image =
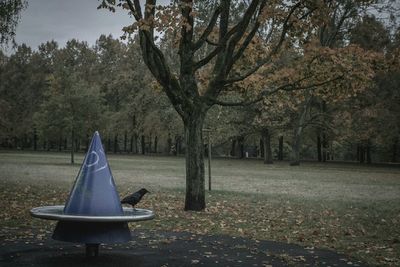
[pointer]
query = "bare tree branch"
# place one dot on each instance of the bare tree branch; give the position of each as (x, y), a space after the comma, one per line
(249, 37)
(154, 58)
(208, 29)
(286, 26)
(274, 51)
(248, 73)
(286, 87)
(237, 33)
(208, 58)
(137, 13)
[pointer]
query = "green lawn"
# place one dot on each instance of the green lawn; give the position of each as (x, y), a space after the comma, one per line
(346, 207)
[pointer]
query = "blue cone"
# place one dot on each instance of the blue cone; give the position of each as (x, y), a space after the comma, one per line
(94, 192)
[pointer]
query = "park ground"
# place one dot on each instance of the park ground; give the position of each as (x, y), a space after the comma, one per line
(344, 207)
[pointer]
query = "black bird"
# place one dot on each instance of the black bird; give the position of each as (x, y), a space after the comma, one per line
(135, 197)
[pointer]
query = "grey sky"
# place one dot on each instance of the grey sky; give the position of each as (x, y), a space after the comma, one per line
(62, 20)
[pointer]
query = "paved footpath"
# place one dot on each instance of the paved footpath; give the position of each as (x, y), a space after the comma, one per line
(154, 248)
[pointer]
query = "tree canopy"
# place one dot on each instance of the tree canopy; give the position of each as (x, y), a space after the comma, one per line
(9, 16)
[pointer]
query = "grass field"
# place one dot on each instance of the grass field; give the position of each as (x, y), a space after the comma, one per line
(350, 208)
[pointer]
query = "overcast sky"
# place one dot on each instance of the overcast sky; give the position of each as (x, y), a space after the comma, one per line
(62, 20)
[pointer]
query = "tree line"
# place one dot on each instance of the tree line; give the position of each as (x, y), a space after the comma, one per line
(54, 98)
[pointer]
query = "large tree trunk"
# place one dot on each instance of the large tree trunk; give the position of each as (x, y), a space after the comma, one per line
(24, 142)
(267, 146)
(169, 144)
(295, 153)
(136, 136)
(34, 139)
(195, 191)
(178, 145)
(324, 148)
(150, 145)
(60, 140)
(280, 153)
(87, 143)
(368, 152)
(78, 145)
(131, 145)
(116, 143)
(125, 141)
(362, 154)
(233, 147)
(108, 144)
(319, 152)
(175, 150)
(72, 145)
(262, 148)
(394, 150)
(241, 146)
(155, 144)
(143, 144)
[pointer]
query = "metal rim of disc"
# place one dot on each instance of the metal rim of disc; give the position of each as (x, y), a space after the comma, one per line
(56, 213)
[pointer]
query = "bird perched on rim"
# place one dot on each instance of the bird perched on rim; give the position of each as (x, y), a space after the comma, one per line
(135, 197)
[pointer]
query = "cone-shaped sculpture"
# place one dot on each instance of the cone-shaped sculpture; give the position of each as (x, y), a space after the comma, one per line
(94, 191)
(93, 194)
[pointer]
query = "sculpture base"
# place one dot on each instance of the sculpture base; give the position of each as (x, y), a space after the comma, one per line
(92, 232)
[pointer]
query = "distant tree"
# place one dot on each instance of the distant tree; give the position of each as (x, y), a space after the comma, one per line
(10, 11)
(21, 92)
(370, 34)
(72, 105)
(370, 119)
(332, 35)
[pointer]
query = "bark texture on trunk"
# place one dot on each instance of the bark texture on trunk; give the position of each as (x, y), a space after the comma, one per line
(195, 183)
